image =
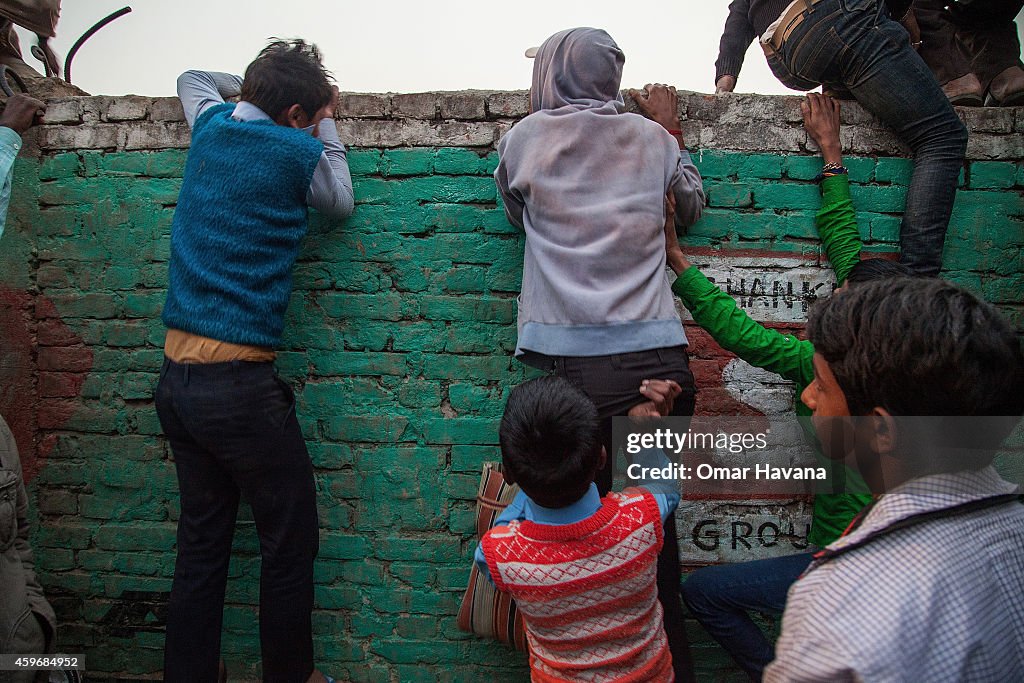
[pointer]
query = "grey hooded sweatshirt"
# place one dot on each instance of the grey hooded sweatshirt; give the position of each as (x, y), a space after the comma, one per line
(587, 182)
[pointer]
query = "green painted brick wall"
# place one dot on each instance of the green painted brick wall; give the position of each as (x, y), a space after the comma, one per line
(399, 341)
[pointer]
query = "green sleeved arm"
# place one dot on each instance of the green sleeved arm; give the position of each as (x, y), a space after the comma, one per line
(837, 225)
(735, 331)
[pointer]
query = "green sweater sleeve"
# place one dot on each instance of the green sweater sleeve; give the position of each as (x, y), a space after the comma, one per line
(735, 331)
(837, 226)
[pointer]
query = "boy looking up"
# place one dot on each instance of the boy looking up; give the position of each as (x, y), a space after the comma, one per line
(581, 568)
(252, 171)
(926, 583)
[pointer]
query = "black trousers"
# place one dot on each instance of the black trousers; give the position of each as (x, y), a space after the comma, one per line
(234, 434)
(613, 383)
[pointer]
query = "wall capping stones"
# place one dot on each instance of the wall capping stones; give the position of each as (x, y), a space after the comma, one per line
(478, 118)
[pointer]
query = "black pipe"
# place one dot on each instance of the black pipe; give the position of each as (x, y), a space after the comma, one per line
(6, 71)
(87, 35)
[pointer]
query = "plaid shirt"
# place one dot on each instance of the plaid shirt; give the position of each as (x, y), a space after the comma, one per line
(941, 600)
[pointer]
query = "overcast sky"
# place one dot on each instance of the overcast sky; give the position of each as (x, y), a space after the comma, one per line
(393, 45)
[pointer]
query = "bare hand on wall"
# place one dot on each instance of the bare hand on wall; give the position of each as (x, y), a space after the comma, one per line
(726, 83)
(660, 103)
(21, 112)
(821, 121)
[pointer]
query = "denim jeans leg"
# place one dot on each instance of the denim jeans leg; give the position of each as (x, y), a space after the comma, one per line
(209, 507)
(284, 508)
(243, 416)
(721, 597)
(896, 85)
(855, 43)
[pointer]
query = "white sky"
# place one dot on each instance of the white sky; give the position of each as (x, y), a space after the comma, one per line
(393, 45)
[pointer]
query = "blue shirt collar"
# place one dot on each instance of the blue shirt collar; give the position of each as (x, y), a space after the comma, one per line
(577, 512)
(247, 111)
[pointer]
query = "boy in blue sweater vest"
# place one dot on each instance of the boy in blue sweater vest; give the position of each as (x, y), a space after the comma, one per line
(252, 171)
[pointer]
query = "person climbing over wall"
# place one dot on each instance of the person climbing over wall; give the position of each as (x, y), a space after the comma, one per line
(586, 181)
(28, 625)
(251, 172)
(854, 46)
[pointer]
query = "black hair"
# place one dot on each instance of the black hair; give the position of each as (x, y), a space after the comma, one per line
(876, 269)
(287, 72)
(921, 347)
(549, 440)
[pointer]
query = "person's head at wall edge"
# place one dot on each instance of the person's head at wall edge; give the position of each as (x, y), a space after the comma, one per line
(288, 81)
(577, 66)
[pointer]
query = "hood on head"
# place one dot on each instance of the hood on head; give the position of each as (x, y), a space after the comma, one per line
(579, 66)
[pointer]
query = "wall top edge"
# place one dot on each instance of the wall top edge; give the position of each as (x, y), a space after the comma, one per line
(478, 119)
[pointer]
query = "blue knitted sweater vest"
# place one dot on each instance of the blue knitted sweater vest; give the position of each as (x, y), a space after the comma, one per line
(240, 217)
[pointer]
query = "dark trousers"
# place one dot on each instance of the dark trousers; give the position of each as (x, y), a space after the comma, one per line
(855, 44)
(723, 596)
(234, 434)
(985, 47)
(613, 383)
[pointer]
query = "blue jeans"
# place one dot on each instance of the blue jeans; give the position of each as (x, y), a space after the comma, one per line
(234, 434)
(722, 596)
(854, 44)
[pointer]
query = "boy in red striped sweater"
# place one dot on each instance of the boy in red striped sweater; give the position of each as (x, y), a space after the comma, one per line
(581, 568)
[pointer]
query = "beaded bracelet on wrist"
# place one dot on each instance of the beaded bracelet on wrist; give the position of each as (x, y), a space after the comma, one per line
(831, 169)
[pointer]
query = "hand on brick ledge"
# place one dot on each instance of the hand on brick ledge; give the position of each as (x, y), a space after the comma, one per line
(821, 121)
(660, 103)
(21, 113)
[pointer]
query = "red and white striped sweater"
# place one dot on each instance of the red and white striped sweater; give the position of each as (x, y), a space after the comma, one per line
(587, 591)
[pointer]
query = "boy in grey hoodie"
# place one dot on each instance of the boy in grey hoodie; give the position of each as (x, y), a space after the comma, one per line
(587, 183)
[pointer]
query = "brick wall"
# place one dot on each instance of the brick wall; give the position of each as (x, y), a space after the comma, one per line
(398, 342)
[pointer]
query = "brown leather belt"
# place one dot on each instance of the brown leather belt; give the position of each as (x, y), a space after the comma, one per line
(790, 20)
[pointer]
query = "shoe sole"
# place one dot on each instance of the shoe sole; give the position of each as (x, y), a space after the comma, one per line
(1014, 100)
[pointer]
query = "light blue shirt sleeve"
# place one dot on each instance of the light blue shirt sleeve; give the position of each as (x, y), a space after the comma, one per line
(665, 491)
(200, 90)
(515, 510)
(330, 190)
(10, 143)
(688, 188)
